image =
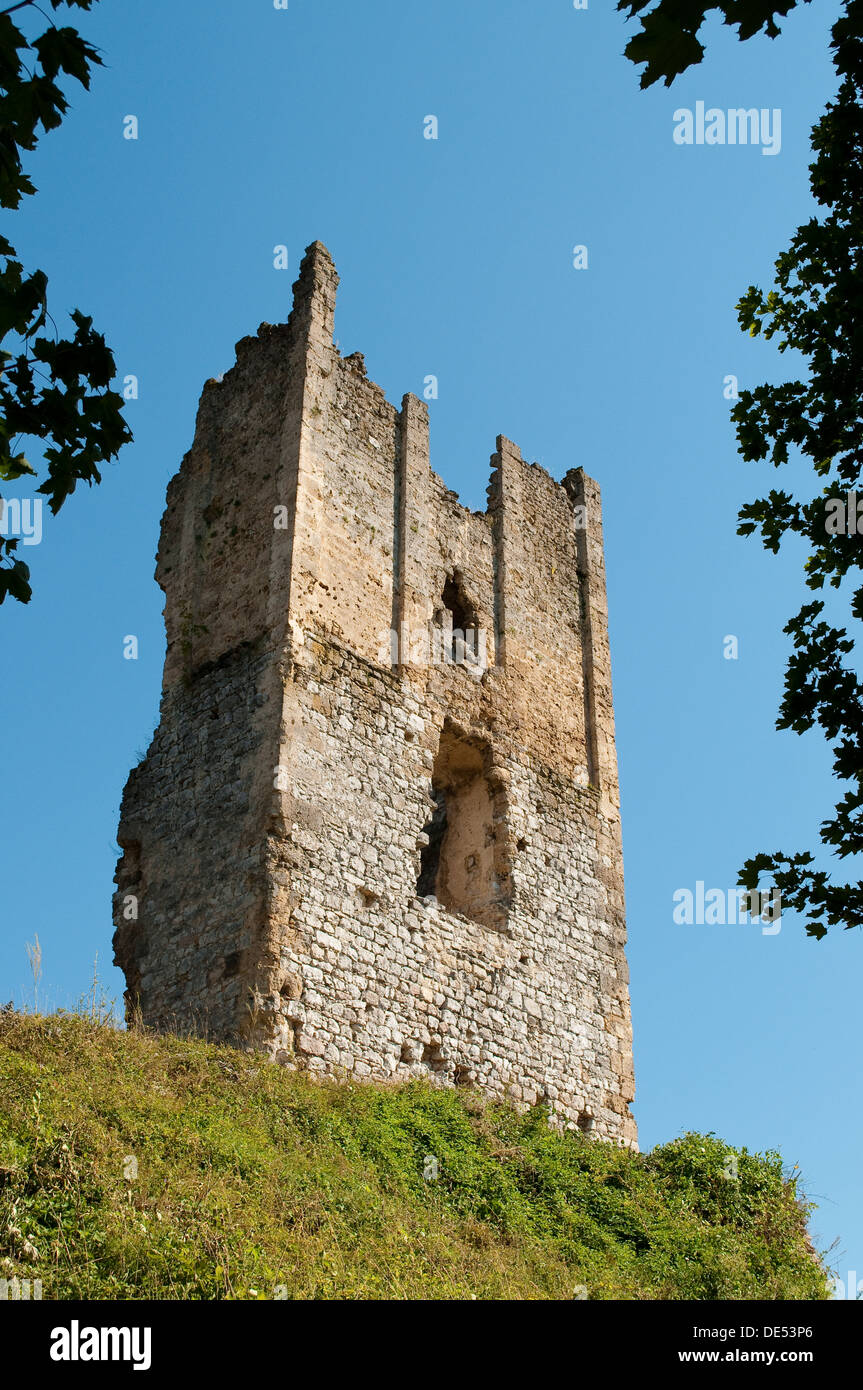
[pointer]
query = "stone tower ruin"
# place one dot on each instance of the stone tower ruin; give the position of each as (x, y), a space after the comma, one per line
(377, 831)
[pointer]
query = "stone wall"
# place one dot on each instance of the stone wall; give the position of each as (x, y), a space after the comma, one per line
(341, 848)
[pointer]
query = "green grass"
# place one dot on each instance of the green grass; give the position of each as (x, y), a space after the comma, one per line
(140, 1167)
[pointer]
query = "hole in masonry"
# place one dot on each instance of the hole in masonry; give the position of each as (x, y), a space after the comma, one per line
(456, 601)
(458, 856)
(433, 1058)
(457, 617)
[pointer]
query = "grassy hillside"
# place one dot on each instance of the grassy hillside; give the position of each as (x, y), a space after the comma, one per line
(141, 1167)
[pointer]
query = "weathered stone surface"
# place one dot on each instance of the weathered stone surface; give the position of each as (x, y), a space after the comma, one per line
(338, 849)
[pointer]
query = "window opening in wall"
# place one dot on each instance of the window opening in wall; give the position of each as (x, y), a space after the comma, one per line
(455, 599)
(462, 640)
(461, 863)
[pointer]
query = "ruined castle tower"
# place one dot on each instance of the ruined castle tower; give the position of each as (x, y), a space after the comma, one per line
(377, 831)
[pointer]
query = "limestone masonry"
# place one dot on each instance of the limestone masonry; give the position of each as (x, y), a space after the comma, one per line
(377, 831)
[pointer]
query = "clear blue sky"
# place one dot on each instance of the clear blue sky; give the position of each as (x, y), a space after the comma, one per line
(258, 127)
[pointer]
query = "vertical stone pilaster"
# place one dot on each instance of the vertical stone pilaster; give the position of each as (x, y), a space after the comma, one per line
(584, 493)
(585, 496)
(412, 525)
(312, 324)
(505, 505)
